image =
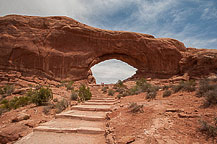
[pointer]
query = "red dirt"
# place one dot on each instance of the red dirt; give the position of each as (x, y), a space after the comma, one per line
(156, 125)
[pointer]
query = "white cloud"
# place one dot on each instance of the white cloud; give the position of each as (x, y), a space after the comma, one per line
(209, 13)
(111, 71)
(161, 18)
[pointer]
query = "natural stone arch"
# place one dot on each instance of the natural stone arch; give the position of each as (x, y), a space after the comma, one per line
(62, 48)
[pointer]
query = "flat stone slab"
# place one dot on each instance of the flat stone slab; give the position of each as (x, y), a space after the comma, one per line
(98, 103)
(102, 98)
(98, 100)
(61, 138)
(81, 130)
(104, 108)
(73, 123)
(83, 115)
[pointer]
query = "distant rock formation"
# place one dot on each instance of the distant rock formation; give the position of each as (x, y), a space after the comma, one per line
(62, 48)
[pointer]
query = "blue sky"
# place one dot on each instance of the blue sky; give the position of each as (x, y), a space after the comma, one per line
(193, 22)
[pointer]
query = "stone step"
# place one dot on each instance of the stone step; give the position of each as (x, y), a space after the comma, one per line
(61, 125)
(39, 137)
(102, 98)
(102, 101)
(81, 130)
(83, 115)
(104, 108)
(98, 103)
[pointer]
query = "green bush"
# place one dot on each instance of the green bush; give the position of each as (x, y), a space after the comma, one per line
(111, 92)
(151, 95)
(120, 90)
(15, 103)
(135, 108)
(205, 86)
(167, 93)
(208, 129)
(141, 82)
(46, 110)
(69, 85)
(188, 86)
(84, 93)
(165, 87)
(104, 89)
(210, 98)
(119, 96)
(208, 91)
(41, 96)
(61, 105)
(6, 90)
(74, 95)
(119, 84)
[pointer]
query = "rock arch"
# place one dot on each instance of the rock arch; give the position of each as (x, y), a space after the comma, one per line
(62, 48)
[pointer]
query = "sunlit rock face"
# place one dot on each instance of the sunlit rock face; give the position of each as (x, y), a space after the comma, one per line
(110, 71)
(62, 48)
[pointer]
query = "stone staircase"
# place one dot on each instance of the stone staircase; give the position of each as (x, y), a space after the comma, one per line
(83, 124)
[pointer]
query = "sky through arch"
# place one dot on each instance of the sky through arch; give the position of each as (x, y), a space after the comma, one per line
(110, 71)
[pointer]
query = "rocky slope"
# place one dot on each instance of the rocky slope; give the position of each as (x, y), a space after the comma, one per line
(62, 48)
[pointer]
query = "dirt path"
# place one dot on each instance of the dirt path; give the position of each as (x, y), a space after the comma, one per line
(83, 124)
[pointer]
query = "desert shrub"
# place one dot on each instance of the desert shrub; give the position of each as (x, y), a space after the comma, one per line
(15, 103)
(141, 82)
(177, 88)
(208, 129)
(165, 87)
(205, 86)
(167, 93)
(135, 90)
(69, 85)
(208, 91)
(84, 93)
(188, 86)
(111, 92)
(119, 96)
(74, 95)
(46, 110)
(40, 96)
(151, 95)
(55, 100)
(120, 90)
(119, 84)
(104, 89)
(61, 105)
(6, 90)
(210, 98)
(135, 108)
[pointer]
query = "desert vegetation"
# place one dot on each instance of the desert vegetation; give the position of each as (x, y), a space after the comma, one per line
(82, 94)
(209, 129)
(38, 96)
(135, 108)
(188, 86)
(208, 90)
(6, 90)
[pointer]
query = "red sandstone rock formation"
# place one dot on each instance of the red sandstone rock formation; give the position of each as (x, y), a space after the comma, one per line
(62, 48)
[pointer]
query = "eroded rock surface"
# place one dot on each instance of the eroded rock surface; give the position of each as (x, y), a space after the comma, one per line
(62, 48)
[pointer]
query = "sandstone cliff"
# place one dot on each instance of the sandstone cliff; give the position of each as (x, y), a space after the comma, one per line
(62, 48)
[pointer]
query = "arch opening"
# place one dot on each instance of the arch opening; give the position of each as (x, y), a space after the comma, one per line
(112, 70)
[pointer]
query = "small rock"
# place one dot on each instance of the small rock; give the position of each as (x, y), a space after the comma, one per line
(126, 140)
(174, 110)
(182, 115)
(148, 79)
(20, 117)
